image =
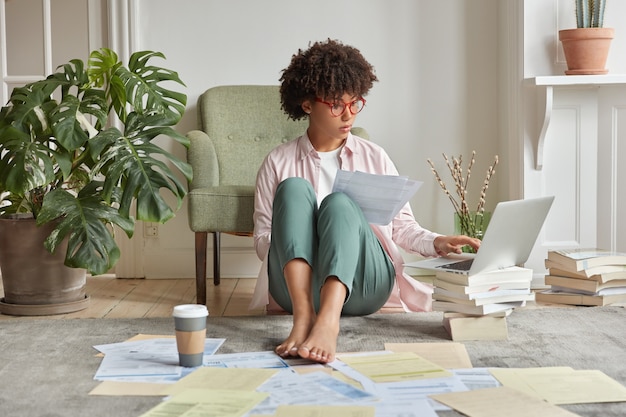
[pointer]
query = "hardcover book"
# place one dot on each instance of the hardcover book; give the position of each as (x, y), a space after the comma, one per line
(447, 306)
(582, 259)
(582, 284)
(599, 273)
(555, 297)
(510, 274)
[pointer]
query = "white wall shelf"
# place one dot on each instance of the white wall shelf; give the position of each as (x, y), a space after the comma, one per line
(579, 80)
(545, 86)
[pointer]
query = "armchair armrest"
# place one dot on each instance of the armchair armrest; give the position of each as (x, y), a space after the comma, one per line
(203, 159)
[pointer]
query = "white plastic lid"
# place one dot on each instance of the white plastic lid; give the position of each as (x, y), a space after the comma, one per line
(190, 311)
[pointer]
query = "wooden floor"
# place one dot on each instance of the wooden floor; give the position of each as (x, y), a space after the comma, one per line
(111, 297)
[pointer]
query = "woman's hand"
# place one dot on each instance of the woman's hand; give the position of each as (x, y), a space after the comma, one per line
(454, 244)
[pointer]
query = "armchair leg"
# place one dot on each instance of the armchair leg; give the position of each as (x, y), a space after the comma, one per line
(216, 258)
(201, 246)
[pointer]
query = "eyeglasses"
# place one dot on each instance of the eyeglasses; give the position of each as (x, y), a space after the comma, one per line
(338, 107)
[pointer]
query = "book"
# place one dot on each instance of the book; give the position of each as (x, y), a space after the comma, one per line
(605, 291)
(507, 298)
(599, 273)
(555, 297)
(483, 294)
(462, 327)
(510, 274)
(588, 285)
(481, 310)
(470, 289)
(582, 259)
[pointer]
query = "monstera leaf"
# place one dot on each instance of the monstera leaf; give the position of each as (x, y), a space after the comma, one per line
(85, 220)
(130, 167)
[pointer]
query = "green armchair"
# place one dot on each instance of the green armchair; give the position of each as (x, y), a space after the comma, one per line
(238, 126)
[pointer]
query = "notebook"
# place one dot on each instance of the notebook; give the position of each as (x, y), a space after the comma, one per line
(508, 241)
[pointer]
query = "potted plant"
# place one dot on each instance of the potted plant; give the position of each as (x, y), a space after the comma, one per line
(78, 161)
(472, 223)
(586, 47)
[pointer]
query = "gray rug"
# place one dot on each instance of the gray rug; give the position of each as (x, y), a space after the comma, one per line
(47, 366)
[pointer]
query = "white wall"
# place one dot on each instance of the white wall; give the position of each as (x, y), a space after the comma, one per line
(436, 61)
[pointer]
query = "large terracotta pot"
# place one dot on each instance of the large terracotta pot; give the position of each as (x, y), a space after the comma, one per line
(35, 281)
(586, 49)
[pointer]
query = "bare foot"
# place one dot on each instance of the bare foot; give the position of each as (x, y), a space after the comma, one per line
(298, 334)
(321, 344)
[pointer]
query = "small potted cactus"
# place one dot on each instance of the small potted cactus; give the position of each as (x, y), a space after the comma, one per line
(586, 47)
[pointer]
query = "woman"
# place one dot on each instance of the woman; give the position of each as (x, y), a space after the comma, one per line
(321, 257)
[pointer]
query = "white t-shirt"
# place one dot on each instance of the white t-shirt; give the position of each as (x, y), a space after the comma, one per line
(328, 172)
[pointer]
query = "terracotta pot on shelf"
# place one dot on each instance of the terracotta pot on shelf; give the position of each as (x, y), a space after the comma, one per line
(586, 49)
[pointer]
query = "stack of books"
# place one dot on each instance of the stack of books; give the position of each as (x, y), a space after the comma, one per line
(476, 306)
(586, 277)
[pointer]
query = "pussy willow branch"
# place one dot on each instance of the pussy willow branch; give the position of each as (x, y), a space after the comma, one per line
(455, 166)
(483, 191)
(442, 184)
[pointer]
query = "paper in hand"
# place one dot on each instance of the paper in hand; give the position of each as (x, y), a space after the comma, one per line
(380, 197)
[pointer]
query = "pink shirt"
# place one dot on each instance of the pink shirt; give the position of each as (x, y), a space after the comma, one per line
(298, 158)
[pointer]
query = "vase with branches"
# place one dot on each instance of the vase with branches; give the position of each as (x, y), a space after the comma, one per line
(471, 222)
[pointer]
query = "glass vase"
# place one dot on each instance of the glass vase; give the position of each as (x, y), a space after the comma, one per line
(474, 224)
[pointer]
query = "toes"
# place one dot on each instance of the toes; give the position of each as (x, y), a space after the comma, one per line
(315, 354)
(281, 351)
(304, 352)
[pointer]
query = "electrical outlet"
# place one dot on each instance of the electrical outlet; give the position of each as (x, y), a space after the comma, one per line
(150, 230)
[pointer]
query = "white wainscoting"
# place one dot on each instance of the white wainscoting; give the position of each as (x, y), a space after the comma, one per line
(572, 151)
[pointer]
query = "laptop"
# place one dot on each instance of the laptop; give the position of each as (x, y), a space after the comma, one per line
(508, 240)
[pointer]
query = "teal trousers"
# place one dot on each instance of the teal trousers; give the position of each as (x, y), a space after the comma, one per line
(335, 240)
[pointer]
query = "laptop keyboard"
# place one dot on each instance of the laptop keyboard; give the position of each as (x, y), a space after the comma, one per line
(459, 265)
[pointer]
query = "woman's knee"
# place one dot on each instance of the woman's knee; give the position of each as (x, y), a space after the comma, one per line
(294, 196)
(339, 205)
(294, 185)
(338, 201)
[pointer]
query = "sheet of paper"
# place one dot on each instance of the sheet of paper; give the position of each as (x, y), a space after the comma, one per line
(287, 387)
(146, 360)
(131, 389)
(404, 408)
(207, 403)
(498, 402)
(324, 411)
(155, 345)
(266, 359)
(476, 378)
(380, 196)
(394, 367)
(246, 379)
(562, 385)
(420, 389)
(448, 355)
(143, 336)
(510, 377)
(338, 386)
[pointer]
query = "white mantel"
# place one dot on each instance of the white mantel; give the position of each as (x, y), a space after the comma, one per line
(573, 131)
(545, 98)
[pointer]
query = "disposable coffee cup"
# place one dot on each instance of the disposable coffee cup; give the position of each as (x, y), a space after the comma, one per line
(190, 325)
